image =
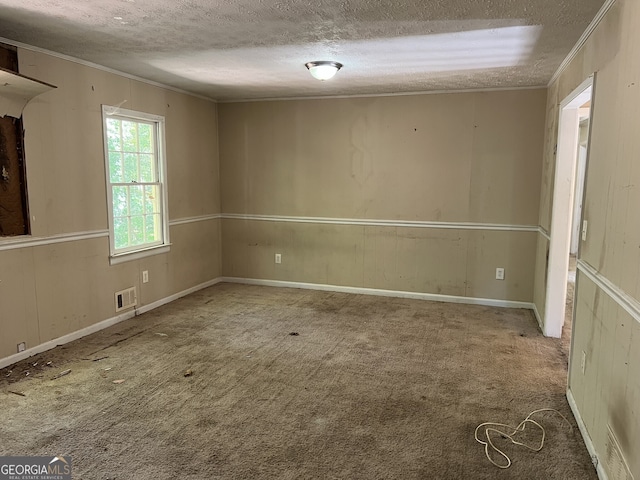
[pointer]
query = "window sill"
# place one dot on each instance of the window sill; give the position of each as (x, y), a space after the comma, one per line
(138, 254)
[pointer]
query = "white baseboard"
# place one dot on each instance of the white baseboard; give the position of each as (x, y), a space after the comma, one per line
(171, 298)
(4, 362)
(382, 293)
(602, 475)
(43, 347)
(538, 317)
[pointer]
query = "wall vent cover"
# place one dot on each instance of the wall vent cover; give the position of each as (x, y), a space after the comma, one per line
(126, 299)
(617, 467)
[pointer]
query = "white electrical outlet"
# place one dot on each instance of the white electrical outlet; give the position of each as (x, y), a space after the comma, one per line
(499, 273)
(22, 346)
(583, 361)
(278, 258)
(145, 276)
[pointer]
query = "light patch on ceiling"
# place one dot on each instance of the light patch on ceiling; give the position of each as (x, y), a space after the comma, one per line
(388, 57)
(248, 49)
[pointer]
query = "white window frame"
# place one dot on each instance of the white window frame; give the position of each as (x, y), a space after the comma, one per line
(138, 251)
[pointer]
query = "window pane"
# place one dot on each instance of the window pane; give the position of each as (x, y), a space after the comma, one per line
(113, 135)
(130, 136)
(151, 199)
(146, 168)
(137, 230)
(131, 167)
(121, 231)
(152, 227)
(115, 167)
(120, 201)
(145, 137)
(136, 199)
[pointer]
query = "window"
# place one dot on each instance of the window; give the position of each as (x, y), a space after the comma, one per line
(136, 189)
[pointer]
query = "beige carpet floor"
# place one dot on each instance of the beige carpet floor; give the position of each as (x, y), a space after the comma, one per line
(369, 388)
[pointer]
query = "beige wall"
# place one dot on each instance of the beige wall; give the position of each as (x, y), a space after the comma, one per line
(451, 158)
(609, 390)
(50, 290)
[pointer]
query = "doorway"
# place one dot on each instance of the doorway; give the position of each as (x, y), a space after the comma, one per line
(584, 118)
(566, 227)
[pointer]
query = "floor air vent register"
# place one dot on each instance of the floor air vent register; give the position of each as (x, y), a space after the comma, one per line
(126, 299)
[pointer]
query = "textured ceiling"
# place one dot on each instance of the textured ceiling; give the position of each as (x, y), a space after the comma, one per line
(241, 49)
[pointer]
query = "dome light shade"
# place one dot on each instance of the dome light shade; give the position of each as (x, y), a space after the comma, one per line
(323, 70)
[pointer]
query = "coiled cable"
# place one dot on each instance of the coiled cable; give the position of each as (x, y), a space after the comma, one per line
(510, 432)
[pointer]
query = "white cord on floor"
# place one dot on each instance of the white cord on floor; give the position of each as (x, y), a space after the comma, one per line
(490, 427)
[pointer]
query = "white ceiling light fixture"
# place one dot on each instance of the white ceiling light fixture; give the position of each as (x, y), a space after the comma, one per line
(323, 70)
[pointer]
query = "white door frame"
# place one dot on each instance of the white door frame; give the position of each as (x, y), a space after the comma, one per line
(562, 210)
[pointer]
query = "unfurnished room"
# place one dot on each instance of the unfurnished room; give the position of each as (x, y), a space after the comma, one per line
(323, 240)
